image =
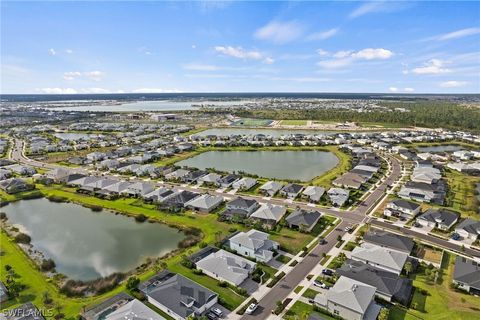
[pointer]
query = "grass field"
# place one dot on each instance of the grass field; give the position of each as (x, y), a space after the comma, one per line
(461, 195)
(293, 122)
(250, 122)
(441, 302)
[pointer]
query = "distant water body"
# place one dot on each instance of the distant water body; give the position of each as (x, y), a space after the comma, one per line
(126, 97)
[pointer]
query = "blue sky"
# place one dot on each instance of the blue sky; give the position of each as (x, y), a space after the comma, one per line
(209, 46)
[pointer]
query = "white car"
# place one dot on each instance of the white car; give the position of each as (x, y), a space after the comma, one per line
(217, 312)
(251, 308)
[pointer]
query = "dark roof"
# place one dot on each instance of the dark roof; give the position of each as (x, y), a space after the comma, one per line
(229, 178)
(181, 198)
(91, 312)
(242, 202)
(467, 271)
(303, 217)
(177, 293)
(444, 216)
(389, 240)
(292, 188)
(387, 283)
(406, 204)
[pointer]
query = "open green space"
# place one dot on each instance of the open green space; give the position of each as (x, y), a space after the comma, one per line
(441, 301)
(293, 122)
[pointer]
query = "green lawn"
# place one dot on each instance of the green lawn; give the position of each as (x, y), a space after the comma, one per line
(441, 302)
(293, 122)
(250, 122)
(310, 293)
(301, 311)
(38, 283)
(461, 196)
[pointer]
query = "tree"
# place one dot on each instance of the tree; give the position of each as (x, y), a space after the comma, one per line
(408, 267)
(384, 313)
(132, 283)
(339, 237)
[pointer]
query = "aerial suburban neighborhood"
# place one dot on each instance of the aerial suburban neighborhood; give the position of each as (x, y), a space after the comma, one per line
(239, 160)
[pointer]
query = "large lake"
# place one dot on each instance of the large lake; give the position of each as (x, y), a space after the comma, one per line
(291, 165)
(441, 148)
(87, 245)
(158, 105)
(268, 132)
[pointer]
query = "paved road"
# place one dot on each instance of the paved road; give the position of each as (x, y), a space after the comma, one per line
(428, 238)
(283, 288)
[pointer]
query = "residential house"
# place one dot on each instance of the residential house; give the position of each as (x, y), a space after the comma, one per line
(379, 257)
(442, 219)
(97, 312)
(291, 190)
(423, 192)
(240, 208)
(350, 180)
(210, 179)
(193, 176)
(139, 189)
(313, 193)
(269, 214)
(270, 188)
(389, 240)
(158, 195)
(15, 185)
(204, 203)
(244, 184)
(178, 296)
(225, 266)
(254, 244)
(177, 175)
(338, 196)
(303, 220)
(401, 208)
(177, 201)
(389, 286)
(228, 180)
(466, 275)
(349, 299)
(468, 229)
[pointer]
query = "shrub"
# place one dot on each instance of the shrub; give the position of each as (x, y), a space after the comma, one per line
(141, 218)
(23, 238)
(47, 265)
(132, 283)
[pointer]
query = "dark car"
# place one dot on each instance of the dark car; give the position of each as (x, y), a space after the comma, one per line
(322, 241)
(328, 272)
(211, 316)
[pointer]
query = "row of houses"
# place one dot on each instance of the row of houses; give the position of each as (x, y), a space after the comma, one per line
(373, 270)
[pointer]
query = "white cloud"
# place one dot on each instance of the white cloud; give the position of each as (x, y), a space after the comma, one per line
(408, 89)
(370, 54)
(194, 46)
(279, 32)
(145, 51)
(322, 53)
(393, 89)
(433, 66)
(366, 8)
(68, 51)
(238, 52)
(322, 35)
(57, 90)
(92, 75)
(52, 51)
(268, 60)
(458, 34)
(156, 90)
(347, 57)
(453, 84)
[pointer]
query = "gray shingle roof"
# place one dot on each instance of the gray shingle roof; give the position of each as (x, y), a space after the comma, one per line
(390, 240)
(467, 271)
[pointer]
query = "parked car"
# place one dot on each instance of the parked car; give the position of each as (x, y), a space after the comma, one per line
(328, 272)
(320, 284)
(322, 241)
(251, 308)
(455, 236)
(211, 316)
(217, 312)
(347, 228)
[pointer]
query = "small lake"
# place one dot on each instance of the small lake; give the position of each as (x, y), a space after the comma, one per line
(86, 245)
(291, 165)
(441, 148)
(268, 132)
(72, 136)
(157, 105)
